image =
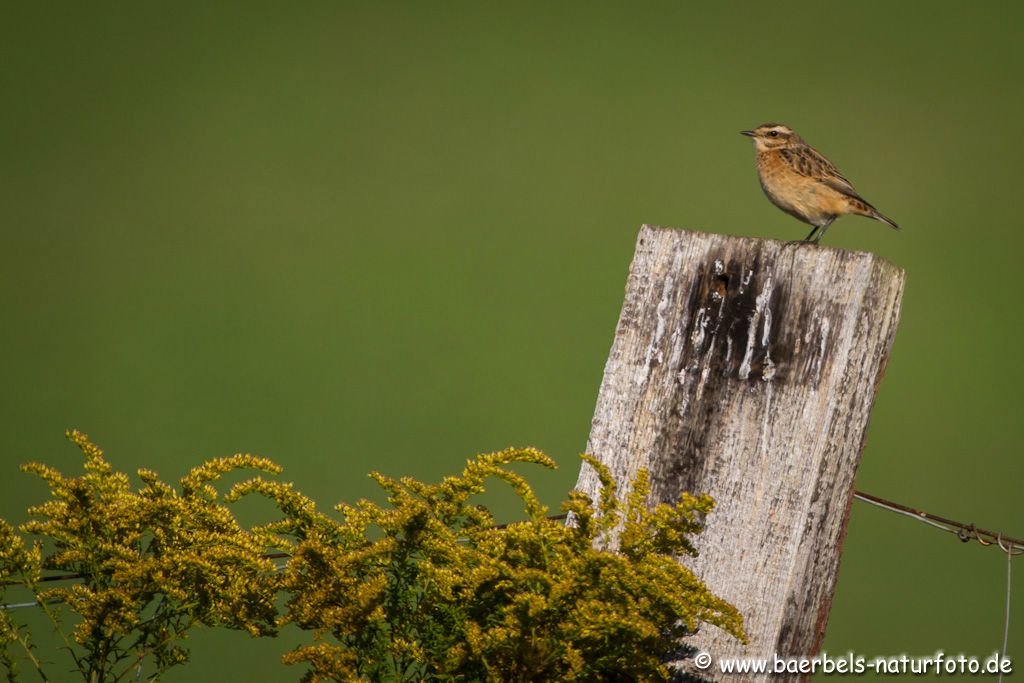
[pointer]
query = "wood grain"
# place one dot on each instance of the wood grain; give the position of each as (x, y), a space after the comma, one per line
(746, 369)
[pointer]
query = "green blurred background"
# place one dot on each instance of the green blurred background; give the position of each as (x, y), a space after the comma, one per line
(390, 236)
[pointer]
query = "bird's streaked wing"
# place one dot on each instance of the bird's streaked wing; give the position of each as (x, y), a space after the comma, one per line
(807, 161)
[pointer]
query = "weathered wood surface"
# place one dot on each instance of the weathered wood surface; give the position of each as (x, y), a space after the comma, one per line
(746, 369)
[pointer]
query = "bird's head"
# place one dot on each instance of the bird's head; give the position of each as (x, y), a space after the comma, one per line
(771, 136)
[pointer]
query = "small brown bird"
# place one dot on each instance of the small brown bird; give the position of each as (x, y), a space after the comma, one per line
(803, 183)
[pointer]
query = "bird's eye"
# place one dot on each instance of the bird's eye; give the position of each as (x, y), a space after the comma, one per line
(773, 133)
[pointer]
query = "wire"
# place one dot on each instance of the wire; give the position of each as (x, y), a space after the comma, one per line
(965, 532)
(23, 605)
(1006, 624)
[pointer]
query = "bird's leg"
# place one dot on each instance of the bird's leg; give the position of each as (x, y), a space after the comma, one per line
(823, 229)
(806, 240)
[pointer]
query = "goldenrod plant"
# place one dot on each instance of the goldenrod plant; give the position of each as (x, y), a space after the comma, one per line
(148, 566)
(422, 587)
(23, 563)
(428, 588)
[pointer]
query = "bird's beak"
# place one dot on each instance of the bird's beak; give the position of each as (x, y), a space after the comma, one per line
(748, 133)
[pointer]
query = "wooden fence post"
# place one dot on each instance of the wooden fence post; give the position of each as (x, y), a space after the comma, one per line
(746, 369)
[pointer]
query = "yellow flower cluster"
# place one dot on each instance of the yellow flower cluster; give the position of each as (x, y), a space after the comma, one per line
(151, 563)
(424, 587)
(427, 587)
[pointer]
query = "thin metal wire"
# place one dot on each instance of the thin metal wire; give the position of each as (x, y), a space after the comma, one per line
(966, 532)
(23, 605)
(898, 511)
(1006, 624)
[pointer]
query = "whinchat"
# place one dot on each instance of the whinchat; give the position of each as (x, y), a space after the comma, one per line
(803, 183)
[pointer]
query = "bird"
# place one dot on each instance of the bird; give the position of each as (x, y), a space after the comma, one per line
(802, 182)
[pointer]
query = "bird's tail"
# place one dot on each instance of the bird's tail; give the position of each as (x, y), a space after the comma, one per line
(885, 219)
(862, 207)
(871, 212)
(877, 215)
